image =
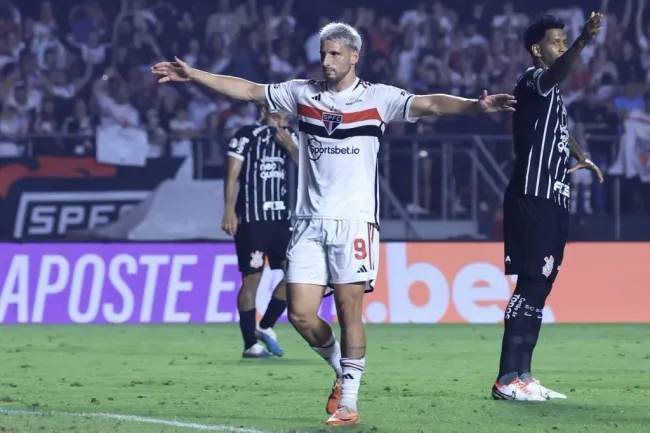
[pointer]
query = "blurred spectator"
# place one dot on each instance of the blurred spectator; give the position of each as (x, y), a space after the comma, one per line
(630, 99)
(219, 54)
(312, 45)
(156, 134)
(510, 22)
(26, 100)
(216, 153)
(240, 114)
(46, 122)
(283, 65)
(581, 180)
(12, 130)
(82, 127)
(183, 129)
(92, 51)
(113, 102)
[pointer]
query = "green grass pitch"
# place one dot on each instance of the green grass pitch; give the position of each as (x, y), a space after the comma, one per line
(419, 378)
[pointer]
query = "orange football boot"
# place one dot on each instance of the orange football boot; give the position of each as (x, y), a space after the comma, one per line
(335, 396)
(343, 416)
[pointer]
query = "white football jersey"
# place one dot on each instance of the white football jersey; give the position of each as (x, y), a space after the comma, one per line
(339, 136)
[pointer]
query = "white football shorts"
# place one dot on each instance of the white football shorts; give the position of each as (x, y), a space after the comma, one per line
(327, 252)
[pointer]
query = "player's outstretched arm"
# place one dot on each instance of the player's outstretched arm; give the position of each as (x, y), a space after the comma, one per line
(562, 67)
(442, 104)
(232, 87)
(583, 159)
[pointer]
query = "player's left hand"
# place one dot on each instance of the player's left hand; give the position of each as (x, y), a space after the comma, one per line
(589, 165)
(493, 103)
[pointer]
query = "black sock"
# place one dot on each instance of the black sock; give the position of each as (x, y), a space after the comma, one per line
(530, 341)
(247, 326)
(273, 312)
(511, 346)
(522, 322)
(536, 308)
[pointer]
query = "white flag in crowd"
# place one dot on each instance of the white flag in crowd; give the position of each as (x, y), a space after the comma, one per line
(634, 150)
(120, 145)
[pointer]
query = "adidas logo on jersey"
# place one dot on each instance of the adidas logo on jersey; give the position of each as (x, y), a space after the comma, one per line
(316, 98)
(362, 270)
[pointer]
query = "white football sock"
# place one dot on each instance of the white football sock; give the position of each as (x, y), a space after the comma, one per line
(352, 372)
(331, 352)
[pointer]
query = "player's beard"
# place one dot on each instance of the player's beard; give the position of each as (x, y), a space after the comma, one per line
(338, 77)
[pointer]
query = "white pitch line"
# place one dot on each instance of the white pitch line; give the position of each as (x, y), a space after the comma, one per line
(140, 419)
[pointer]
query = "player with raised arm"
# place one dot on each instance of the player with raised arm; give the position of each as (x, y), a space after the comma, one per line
(335, 243)
(536, 202)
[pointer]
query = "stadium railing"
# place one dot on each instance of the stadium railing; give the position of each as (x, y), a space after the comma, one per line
(436, 177)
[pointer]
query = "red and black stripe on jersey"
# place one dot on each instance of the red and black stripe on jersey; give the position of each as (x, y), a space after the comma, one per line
(341, 133)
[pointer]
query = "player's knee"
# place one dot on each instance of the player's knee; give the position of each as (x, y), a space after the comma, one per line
(297, 312)
(250, 282)
(280, 291)
(302, 316)
(303, 303)
(295, 317)
(532, 292)
(299, 319)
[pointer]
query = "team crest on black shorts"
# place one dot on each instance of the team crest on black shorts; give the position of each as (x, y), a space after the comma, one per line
(547, 270)
(257, 260)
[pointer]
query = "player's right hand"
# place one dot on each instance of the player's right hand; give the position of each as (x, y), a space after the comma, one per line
(178, 71)
(589, 165)
(592, 27)
(229, 223)
(283, 136)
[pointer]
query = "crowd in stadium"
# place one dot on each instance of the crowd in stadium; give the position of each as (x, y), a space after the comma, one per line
(69, 69)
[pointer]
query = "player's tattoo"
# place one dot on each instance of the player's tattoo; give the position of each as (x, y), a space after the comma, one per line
(576, 150)
(353, 351)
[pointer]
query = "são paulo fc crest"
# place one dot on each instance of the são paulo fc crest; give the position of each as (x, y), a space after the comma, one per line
(331, 121)
(547, 270)
(257, 260)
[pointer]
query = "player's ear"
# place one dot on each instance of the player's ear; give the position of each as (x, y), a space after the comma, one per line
(536, 50)
(354, 59)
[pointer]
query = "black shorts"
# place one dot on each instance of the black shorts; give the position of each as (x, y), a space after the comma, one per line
(535, 232)
(259, 240)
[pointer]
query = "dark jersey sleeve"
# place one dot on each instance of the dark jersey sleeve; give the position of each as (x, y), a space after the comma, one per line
(239, 143)
(529, 83)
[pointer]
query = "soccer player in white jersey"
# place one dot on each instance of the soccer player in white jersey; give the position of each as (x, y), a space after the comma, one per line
(335, 243)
